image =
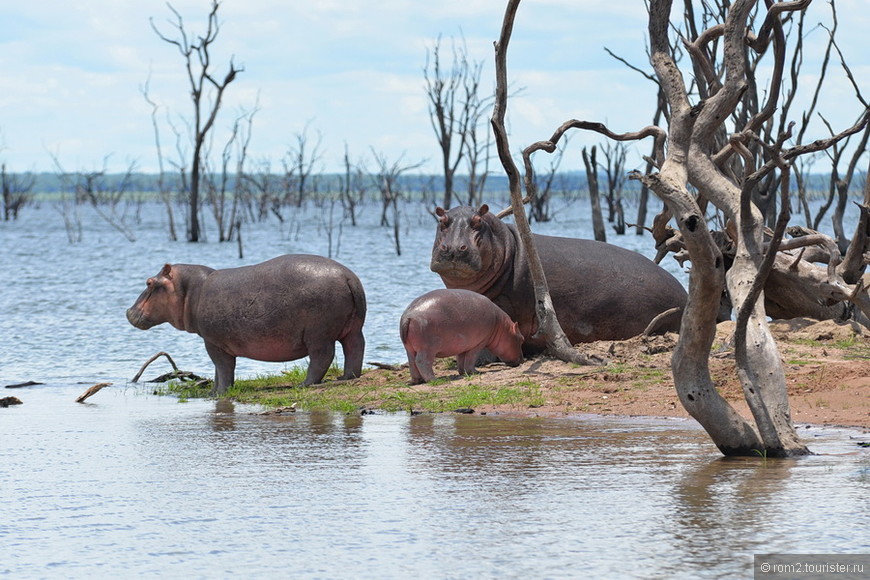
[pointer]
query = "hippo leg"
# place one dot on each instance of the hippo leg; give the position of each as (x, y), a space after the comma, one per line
(423, 362)
(320, 358)
(224, 368)
(416, 377)
(465, 361)
(353, 346)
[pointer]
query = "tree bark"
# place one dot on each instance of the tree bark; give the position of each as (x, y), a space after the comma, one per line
(688, 161)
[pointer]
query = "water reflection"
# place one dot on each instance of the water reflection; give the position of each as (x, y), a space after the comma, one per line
(717, 502)
(214, 489)
(223, 418)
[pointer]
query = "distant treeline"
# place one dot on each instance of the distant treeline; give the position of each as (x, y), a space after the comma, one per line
(412, 184)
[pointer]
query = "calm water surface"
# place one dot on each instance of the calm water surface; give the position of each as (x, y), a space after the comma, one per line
(134, 485)
(138, 485)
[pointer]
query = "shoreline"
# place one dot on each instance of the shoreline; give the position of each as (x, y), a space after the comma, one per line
(827, 368)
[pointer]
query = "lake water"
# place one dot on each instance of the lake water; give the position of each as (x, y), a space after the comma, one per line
(134, 485)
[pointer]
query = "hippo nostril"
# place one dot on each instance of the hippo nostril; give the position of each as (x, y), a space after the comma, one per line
(463, 248)
(443, 247)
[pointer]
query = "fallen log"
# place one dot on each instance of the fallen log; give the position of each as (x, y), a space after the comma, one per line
(182, 375)
(24, 384)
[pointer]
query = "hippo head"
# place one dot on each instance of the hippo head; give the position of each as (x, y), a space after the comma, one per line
(511, 347)
(464, 245)
(162, 301)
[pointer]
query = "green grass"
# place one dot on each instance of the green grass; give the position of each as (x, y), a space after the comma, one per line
(284, 389)
(800, 362)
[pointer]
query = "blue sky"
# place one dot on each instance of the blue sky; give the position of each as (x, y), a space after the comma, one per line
(348, 70)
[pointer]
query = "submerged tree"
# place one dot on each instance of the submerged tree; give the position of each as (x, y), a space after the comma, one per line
(206, 93)
(110, 196)
(299, 163)
(456, 112)
(386, 179)
(17, 191)
(591, 164)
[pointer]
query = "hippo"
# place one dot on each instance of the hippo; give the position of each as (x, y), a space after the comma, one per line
(280, 310)
(599, 291)
(456, 322)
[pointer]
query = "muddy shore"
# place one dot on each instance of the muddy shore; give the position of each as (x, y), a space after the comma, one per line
(827, 368)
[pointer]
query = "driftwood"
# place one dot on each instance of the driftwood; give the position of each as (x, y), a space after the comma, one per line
(386, 366)
(24, 384)
(151, 360)
(655, 322)
(91, 391)
(182, 375)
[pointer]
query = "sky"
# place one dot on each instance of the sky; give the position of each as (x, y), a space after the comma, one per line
(343, 72)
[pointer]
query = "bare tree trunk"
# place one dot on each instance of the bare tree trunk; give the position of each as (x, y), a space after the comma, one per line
(548, 325)
(760, 367)
(197, 61)
(594, 194)
(387, 181)
(162, 186)
(17, 191)
(456, 113)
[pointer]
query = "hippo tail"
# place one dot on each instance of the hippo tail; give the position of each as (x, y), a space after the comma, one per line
(358, 297)
(403, 328)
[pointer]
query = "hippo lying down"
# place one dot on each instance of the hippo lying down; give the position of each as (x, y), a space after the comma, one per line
(599, 291)
(281, 310)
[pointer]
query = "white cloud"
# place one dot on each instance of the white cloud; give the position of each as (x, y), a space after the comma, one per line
(353, 70)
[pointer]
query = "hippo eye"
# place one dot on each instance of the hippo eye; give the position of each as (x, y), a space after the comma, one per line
(444, 222)
(476, 222)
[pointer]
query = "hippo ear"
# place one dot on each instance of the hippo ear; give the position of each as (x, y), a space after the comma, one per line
(166, 272)
(443, 218)
(484, 209)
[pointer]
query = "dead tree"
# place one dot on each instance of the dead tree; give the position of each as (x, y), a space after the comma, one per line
(109, 196)
(206, 93)
(299, 163)
(353, 187)
(455, 112)
(164, 187)
(704, 164)
(613, 167)
(591, 164)
(386, 180)
(661, 111)
(17, 191)
(693, 158)
(540, 203)
(262, 192)
(548, 326)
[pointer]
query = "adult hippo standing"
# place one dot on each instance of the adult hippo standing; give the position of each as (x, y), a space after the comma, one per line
(281, 310)
(599, 291)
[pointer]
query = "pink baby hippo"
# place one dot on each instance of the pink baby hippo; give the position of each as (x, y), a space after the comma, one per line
(445, 322)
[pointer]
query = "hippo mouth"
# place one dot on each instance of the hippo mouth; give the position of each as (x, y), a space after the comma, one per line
(137, 318)
(453, 269)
